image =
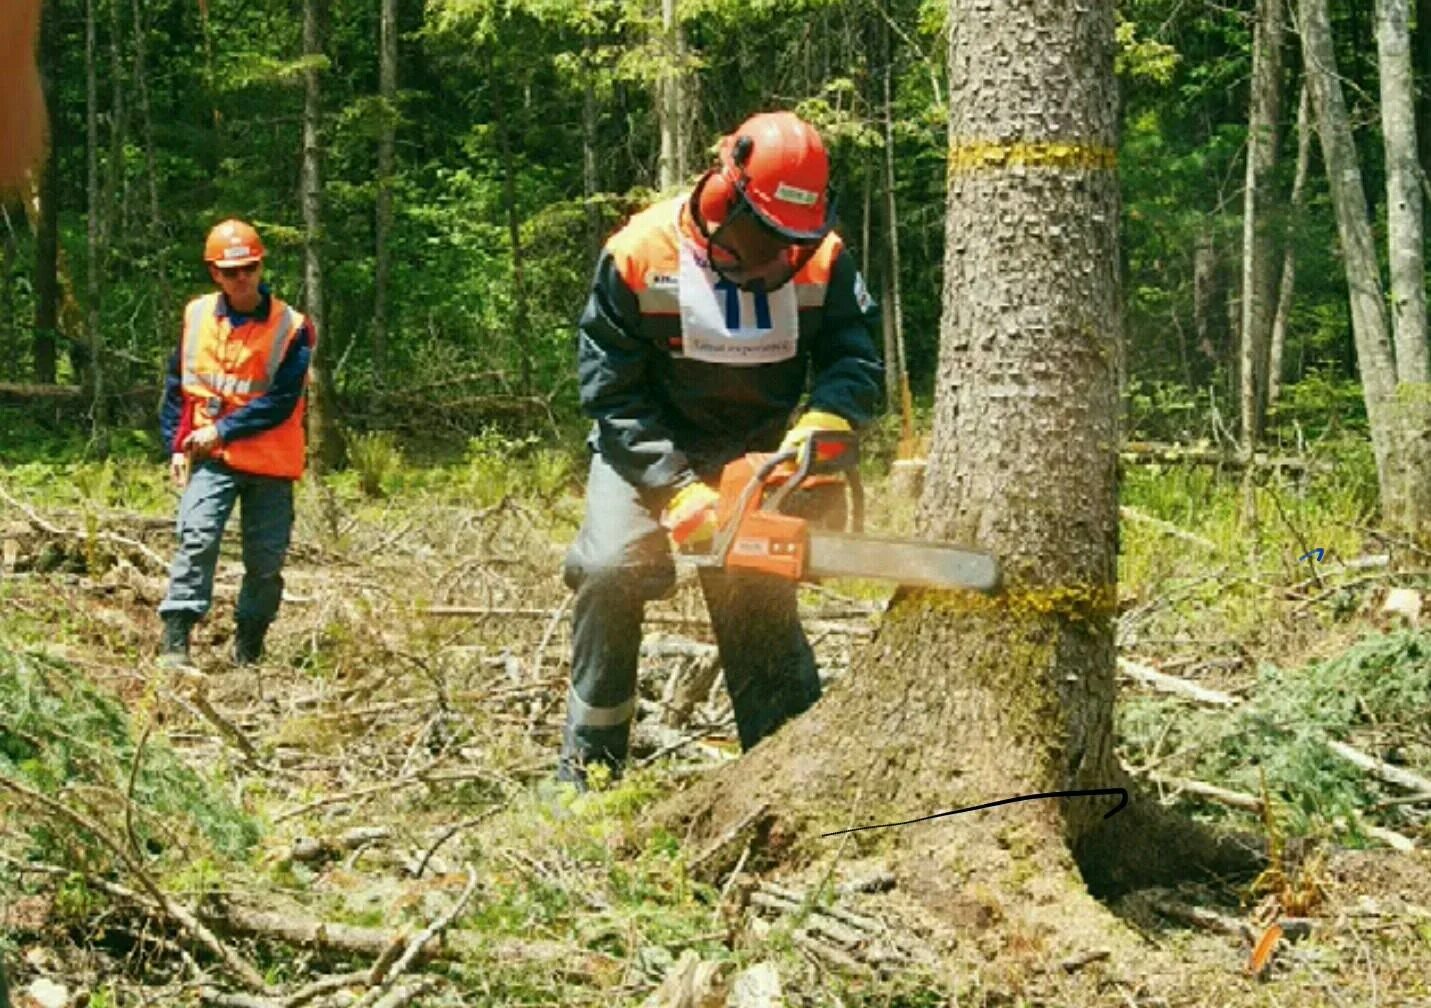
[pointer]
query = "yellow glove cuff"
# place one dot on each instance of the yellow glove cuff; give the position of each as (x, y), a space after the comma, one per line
(820, 420)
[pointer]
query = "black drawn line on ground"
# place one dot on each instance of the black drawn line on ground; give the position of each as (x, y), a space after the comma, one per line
(1122, 794)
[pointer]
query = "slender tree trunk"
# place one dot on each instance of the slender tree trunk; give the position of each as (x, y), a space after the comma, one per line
(1398, 438)
(1289, 252)
(1423, 74)
(590, 176)
(1257, 244)
(95, 210)
(156, 218)
(113, 185)
(672, 166)
(965, 699)
(514, 234)
(895, 306)
(44, 213)
(325, 447)
(387, 88)
(1405, 233)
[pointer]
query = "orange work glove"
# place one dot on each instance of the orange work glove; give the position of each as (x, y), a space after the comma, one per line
(691, 515)
(813, 420)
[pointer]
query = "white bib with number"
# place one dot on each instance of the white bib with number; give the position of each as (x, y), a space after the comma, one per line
(722, 324)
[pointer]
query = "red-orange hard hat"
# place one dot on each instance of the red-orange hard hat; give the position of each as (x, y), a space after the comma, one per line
(232, 243)
(776, 164)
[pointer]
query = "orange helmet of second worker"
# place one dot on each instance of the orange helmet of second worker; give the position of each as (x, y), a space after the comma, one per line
(232, 243)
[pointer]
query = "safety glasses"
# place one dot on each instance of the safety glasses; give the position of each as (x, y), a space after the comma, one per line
(247, 269)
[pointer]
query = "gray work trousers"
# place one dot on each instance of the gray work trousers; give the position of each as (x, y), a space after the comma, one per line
(266, 514)
(620, 560)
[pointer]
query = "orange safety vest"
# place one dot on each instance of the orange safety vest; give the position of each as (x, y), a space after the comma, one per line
(224, 368)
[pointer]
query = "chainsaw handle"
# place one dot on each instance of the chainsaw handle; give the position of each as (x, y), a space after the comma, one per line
(720, 547)
(845, 458)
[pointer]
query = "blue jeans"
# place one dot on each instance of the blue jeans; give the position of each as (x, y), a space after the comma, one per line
(266, 513)
(620, 560)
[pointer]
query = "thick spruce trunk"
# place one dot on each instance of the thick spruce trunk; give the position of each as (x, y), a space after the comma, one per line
(964, 699)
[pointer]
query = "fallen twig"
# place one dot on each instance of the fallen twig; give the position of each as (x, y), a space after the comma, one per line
(236, 965)
(1173, 684)
(1385, 771)
(415, 947)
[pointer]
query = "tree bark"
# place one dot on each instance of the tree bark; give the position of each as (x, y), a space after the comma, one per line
(95, 210)
(325, 448)
(1399, 438)
(1404, 231)
(1257, 245)
(151, 166)
(669, 93)
(1289, 253)
(387, 89)
(963, 699)
(894, 308)
(1423, 73)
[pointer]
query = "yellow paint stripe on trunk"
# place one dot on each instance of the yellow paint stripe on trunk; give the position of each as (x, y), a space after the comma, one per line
(980, 155)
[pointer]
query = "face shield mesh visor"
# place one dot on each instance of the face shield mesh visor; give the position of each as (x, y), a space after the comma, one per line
(790, 258)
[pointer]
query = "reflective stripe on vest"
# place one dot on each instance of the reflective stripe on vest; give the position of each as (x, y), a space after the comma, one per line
(223, 384)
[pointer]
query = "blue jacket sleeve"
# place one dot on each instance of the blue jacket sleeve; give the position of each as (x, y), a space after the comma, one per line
(612, 375)
(847, 377)
(277, 405)
(171, 408)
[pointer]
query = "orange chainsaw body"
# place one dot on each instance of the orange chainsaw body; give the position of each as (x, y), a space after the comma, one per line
(769, 542)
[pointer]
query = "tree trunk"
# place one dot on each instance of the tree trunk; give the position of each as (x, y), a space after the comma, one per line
(387, 89)
(1257, 245)
(156, 219)
(590, 176)
(95, 210)
(668, 88)
(894, 308)
(963, 699)
(1289, 253)
(44, 212)
(1399, 439)
(1404, 229)
(325, 448)
(1423, 73)
(514, 235)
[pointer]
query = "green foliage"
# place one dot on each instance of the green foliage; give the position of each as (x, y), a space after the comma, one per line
(1283, 731)
(377, 459)
(66, 738)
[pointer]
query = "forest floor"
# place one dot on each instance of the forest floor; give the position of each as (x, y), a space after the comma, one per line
(383, 778)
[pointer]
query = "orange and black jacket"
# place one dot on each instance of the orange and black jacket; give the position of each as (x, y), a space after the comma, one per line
(663, 420)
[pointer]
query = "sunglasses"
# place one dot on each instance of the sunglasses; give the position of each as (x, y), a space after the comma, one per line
(247, 269)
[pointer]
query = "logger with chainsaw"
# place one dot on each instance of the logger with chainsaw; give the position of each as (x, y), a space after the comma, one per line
(730, 319)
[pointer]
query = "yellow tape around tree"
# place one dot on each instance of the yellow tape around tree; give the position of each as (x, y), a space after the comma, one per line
(980, 155)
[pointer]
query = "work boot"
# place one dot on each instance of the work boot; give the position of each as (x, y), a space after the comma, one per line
(248, 641)
(174, 647)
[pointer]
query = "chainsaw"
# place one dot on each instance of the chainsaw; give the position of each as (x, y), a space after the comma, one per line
(786, 514)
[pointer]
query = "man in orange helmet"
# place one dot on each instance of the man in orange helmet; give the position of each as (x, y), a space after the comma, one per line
(233, 418)
(709, 316)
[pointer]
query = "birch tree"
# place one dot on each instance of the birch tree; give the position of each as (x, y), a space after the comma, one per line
(1396, 411)
(1404, 225)
(325, 447)
(1258, 278)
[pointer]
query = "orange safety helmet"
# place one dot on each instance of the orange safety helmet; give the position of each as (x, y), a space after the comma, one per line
(232, 243)
(775, 165)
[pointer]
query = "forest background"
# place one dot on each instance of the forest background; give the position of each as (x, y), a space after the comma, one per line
(434, 181)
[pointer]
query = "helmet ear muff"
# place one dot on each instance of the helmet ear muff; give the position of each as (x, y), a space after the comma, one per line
(720, 189)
